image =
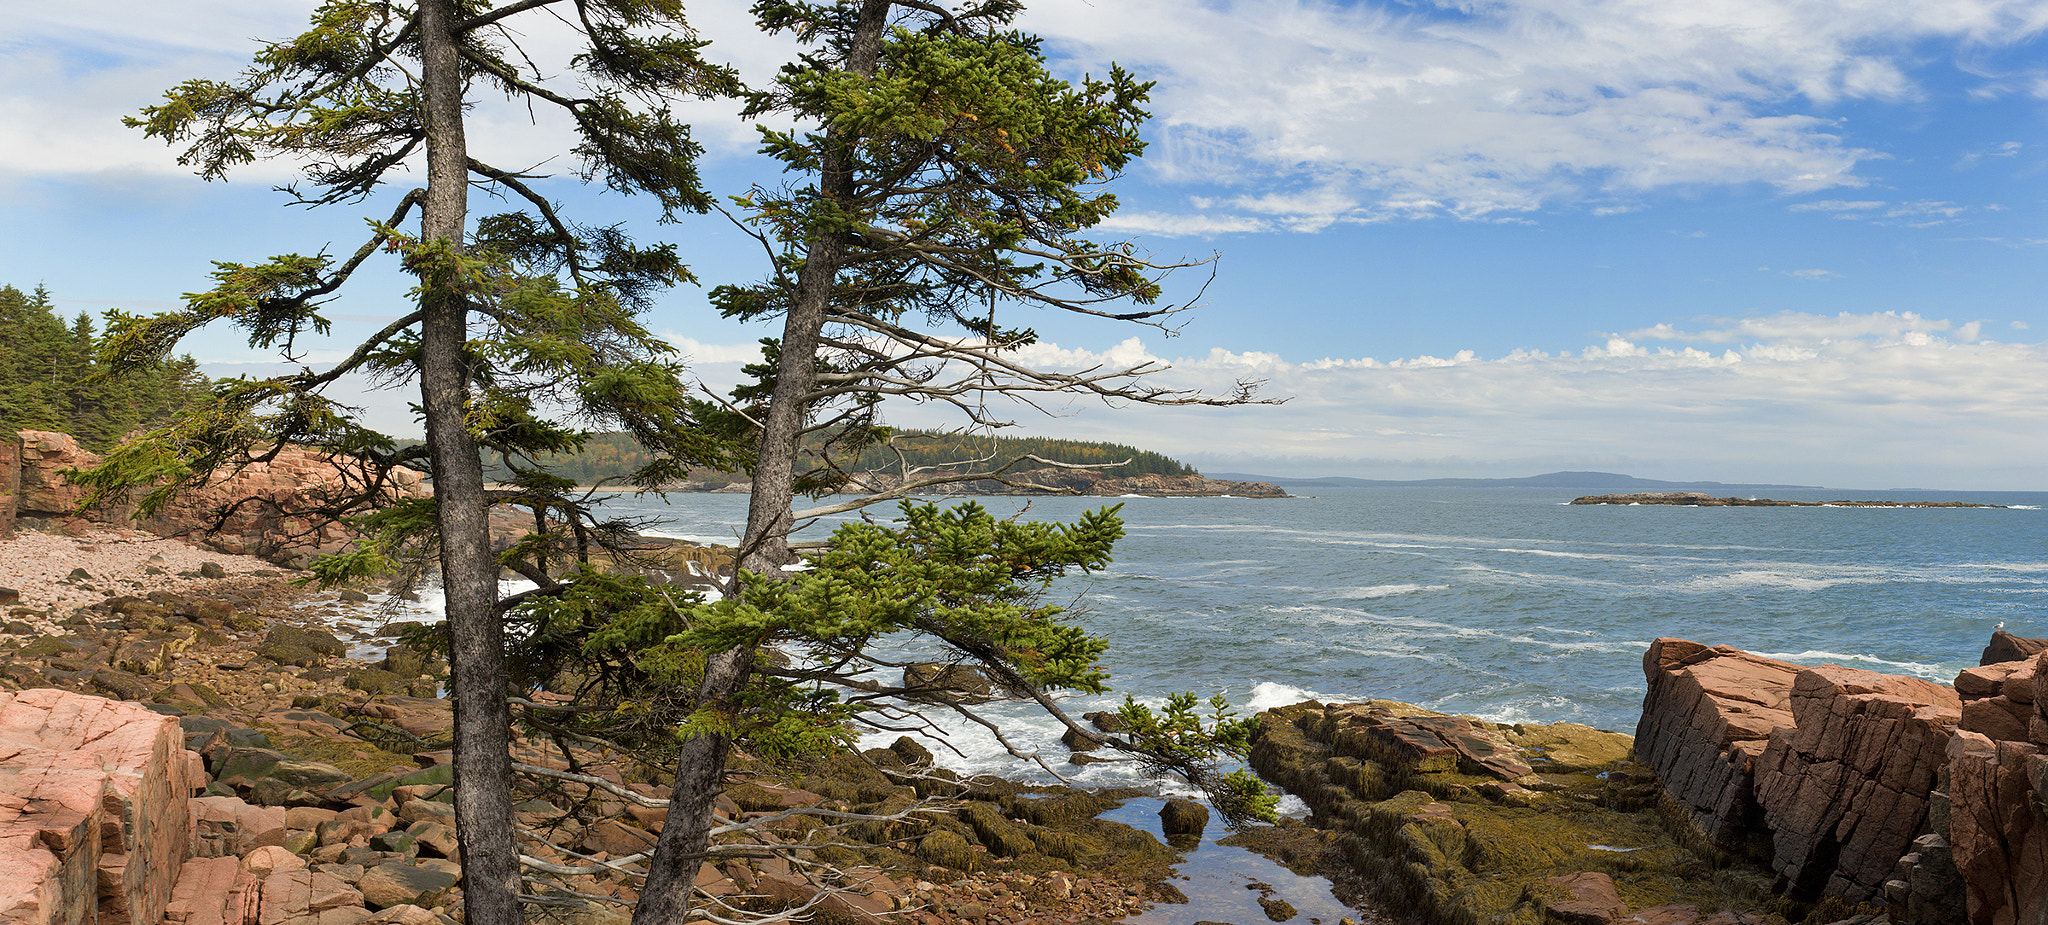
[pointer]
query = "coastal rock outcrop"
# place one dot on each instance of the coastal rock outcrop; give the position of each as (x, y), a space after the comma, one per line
(1701, 499)
(272, 508)
(1845, 791)
(1460, 820)
(1996, 801)
(1867, 788)
(1707, 717)
(94, 821)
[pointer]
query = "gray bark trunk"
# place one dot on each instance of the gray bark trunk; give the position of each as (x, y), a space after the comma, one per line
(700, 767)
(469, 575)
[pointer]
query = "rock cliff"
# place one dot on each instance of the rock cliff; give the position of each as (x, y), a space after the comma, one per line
(265, 509)
(1861, 787)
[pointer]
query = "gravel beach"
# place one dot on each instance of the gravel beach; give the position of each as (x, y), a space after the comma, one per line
(40, 567)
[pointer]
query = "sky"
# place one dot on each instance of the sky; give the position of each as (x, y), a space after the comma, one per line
(1733, 240)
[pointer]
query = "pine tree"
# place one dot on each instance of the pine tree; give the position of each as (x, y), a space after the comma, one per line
(522, 316)
(946, 173)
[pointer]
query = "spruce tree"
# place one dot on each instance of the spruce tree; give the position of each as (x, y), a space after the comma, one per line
(525, 319)
(941, 172)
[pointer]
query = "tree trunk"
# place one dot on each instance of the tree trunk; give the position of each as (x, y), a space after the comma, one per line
(700, 766)
(469, 575)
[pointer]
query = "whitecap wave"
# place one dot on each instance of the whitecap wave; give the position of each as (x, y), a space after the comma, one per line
(1267, 695)
(1371, 592)
(1821, 657)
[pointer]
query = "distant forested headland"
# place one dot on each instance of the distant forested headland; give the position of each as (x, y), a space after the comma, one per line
(51, 377)
(612, 456)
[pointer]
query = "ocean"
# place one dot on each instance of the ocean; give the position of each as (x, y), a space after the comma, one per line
(1505, 603)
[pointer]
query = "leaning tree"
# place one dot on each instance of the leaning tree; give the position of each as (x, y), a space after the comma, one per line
(524, 329)
(938, 173)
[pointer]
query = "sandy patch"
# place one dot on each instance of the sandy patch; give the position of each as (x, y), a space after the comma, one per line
(39, 566)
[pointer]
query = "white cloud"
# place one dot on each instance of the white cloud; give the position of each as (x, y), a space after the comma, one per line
(1792, 397)
(1337, 112)
(1838, 205)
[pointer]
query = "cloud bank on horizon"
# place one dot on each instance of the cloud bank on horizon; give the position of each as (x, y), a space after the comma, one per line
(1931, 403)
(1862, 320)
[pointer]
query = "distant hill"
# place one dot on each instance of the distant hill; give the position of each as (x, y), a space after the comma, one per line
(1591, 482)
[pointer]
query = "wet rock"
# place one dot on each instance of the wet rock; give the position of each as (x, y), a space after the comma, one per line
(1183, 817)
(940, 682)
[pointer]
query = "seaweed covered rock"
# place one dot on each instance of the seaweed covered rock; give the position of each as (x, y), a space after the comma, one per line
(1452, 832)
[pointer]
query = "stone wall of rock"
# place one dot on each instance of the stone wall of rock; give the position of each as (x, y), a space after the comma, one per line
(94, 816)
(1845, 791)
(261, 510)
(1929, 799)
(1997, 794)
(1707, 717)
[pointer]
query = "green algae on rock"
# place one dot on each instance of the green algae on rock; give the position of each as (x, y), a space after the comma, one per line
(1466, 821)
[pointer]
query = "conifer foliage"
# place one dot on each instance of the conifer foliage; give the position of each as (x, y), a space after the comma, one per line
(50, 377)
(525, 326)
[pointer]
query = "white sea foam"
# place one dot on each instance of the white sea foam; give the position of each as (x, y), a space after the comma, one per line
(1371, 592)
(1776, 578)
(700, 539)
(1819, 657)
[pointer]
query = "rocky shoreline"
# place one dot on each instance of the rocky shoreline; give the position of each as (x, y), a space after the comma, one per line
(203, 717)
(1040, 482)
(1755, 791)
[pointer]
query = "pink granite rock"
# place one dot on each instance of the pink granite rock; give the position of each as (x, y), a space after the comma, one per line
(1996, 827)
(1845, 791)
(95, 823)
(1707, 716)
(272, 500)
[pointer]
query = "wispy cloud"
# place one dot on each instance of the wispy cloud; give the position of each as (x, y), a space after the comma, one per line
(1361, 112)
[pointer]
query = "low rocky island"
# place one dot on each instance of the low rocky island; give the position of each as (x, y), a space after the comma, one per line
(1700, 499)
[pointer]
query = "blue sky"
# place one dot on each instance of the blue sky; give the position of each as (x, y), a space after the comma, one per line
(1744, 241)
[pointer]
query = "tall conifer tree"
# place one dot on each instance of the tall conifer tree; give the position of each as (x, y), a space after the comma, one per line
(519, 314)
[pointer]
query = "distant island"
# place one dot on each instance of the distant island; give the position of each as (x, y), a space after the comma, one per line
(1575, 481)
(1698, 499)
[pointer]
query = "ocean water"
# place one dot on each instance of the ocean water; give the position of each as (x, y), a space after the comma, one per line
(1507, 604)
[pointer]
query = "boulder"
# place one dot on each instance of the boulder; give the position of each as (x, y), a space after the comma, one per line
(2006, 647)
(1845, 792)
(939, 681)
(1183, 818)
(398, 883)
(1707, 717)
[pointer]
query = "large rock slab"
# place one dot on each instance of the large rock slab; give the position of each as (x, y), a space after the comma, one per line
(1845, 792)
(94, 822)
(1707, 717)
(1997, 829)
